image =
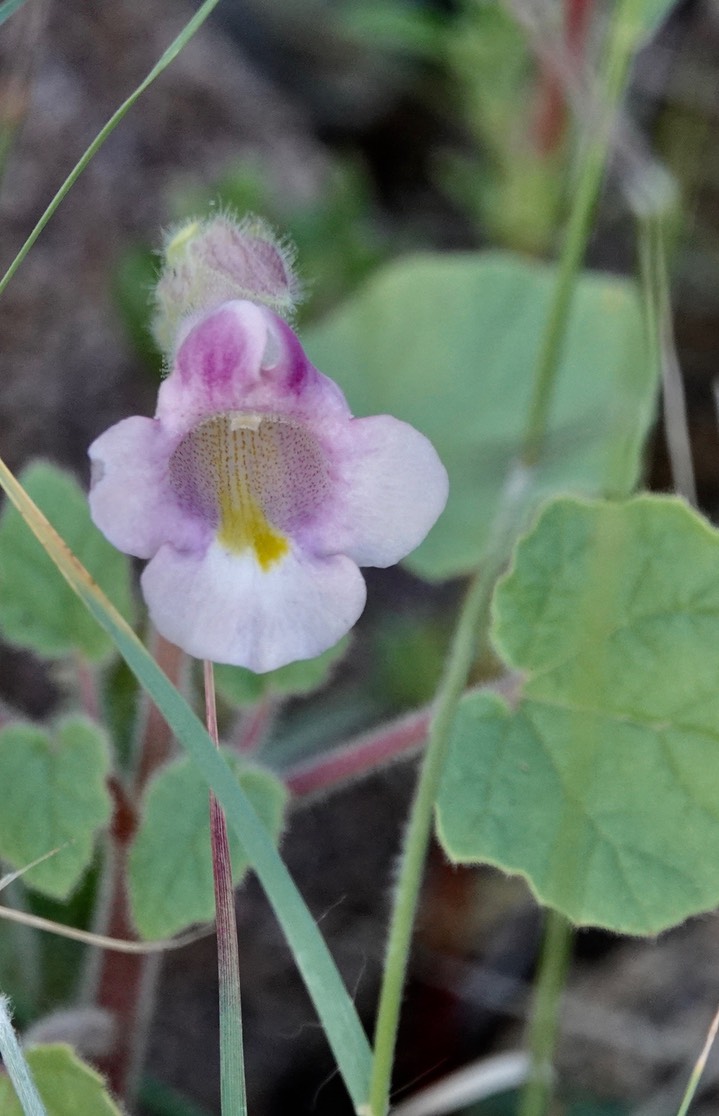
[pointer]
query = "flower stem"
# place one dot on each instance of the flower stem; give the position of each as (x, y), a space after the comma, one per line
(472, 622)
(232, 1069)
(553, 964)
(371, 750)
(125, 984)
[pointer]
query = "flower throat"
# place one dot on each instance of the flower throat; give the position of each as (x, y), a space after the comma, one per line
(251, 477)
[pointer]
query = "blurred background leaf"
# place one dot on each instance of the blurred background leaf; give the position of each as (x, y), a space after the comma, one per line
(38, 609)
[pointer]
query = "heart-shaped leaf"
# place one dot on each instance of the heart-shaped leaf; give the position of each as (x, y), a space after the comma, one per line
(602, 785)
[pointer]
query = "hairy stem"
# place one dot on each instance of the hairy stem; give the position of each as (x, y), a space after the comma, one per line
(124, 983)
(385, 744)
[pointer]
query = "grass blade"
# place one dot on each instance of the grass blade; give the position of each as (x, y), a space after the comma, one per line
(324, 984)
(16, 1066)
(163, 62)
(698, 1070)
(8, 8)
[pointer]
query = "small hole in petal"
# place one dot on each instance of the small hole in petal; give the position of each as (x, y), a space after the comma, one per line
(97, 471)
(272, 351)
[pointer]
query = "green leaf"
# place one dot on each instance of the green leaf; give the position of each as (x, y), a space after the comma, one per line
(244, 687)
(449, 343)
(67, 1085)
(170, 866)
(602, 786)
(52, 793)
(37, 609)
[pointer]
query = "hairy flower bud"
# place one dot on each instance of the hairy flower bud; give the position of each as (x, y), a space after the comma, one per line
(211, 261)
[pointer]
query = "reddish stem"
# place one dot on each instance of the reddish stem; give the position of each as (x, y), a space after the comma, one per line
(360, 755)
(157, 741)
(124, 982)
(87, 688)
(254, 726)
(551, 115)
(372, 749)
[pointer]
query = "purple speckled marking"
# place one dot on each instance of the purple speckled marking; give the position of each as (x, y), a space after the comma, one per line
(279, 464)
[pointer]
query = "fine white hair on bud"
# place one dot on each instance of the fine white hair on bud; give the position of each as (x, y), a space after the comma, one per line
(209, 261)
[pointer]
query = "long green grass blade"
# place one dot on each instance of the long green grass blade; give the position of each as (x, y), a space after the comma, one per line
(324, 984)
(17, 1068)
(163, 62)
(8, 8)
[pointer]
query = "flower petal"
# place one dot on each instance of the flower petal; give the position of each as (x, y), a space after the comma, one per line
(242, 357)
(130, 499)
(391, 490)
(224, 607)
(217, 365)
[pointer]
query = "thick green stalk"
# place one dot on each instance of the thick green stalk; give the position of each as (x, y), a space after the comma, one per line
(474, 617)
(232, 1065)
(472, 622)
(553, 965)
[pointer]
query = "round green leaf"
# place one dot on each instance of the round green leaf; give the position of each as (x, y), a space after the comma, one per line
(243, 687)
(449, 343)
(602, 786)
(52, 793)
(67, 1086)
(38, 609)
(170, 865)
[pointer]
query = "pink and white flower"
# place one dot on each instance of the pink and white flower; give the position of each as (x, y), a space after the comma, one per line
(256, 495)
